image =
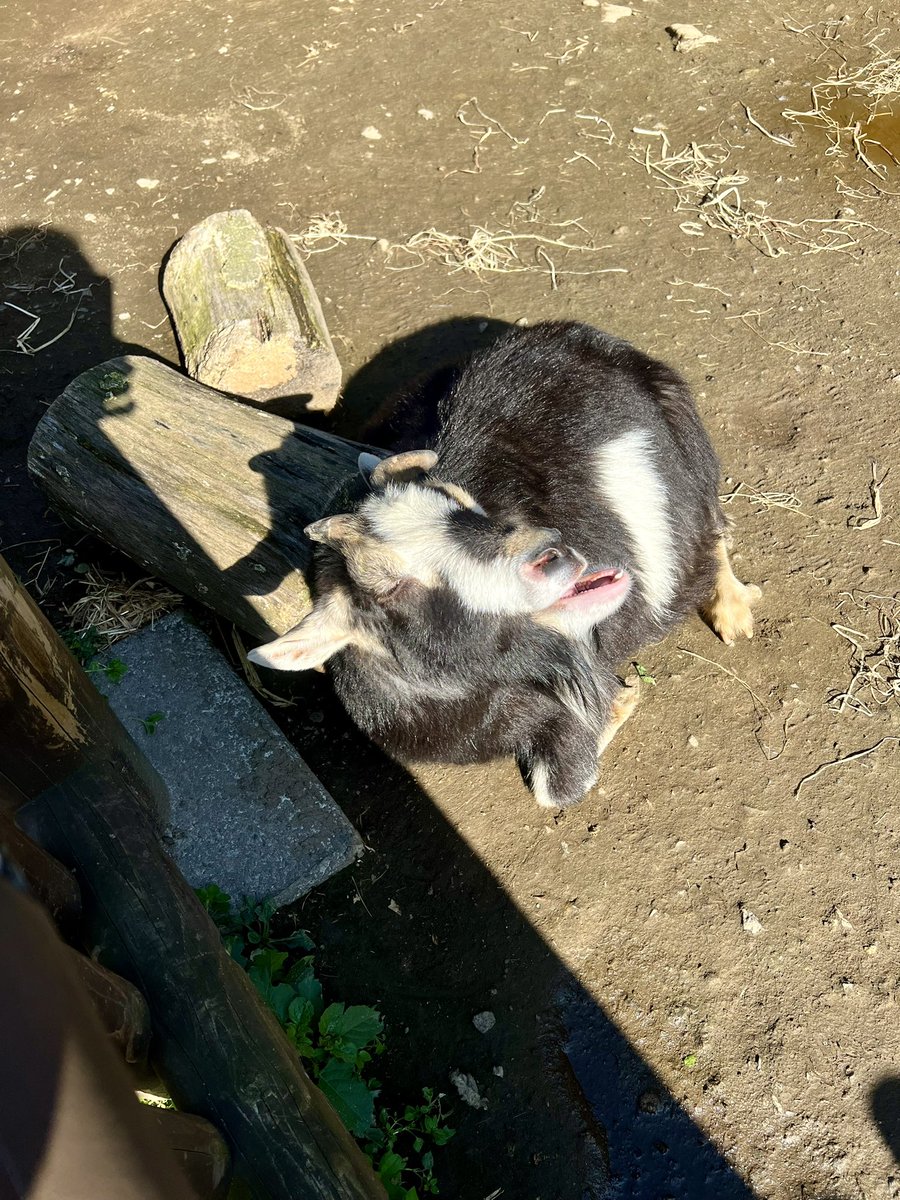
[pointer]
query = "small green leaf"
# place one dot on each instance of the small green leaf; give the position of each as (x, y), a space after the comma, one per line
(349, 1096)
(150, 723)
(644, 674)
(357, 1024)
(689, 1060)
(216, 902)
(391, 1167)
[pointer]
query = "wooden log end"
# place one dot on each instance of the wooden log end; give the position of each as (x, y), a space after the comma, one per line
(247, 316)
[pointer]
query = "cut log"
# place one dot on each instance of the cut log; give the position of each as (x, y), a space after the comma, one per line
(198, 1147)
(247, 316)
(210, 495)
(122, 1010)
(48, 881)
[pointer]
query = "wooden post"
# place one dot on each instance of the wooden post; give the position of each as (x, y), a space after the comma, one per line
(217, 1048)
(209, 494)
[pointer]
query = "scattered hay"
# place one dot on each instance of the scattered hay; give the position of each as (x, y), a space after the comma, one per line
(115, 607)
(760, 708)
(855, 108)
(479, 253)
(875, 487)
(875, 655)
(252, 675)
(765, 500)
(697, 176)
(836, 762)
(487, 126)
(62, 282)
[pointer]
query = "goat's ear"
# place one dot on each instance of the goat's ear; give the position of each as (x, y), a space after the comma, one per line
(344, 527)
(399, 468)
(367, 463)
(307, 645)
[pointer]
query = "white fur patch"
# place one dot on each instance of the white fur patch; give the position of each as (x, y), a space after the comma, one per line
(540, 786)
(542, 791)
(634, 490)
(414, 522)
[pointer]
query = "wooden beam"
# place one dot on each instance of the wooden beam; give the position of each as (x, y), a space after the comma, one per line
(206, 493)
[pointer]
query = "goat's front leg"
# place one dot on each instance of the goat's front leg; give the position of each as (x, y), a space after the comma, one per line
(559, 763)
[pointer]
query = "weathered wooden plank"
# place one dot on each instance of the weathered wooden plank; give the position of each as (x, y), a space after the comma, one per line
(209, 494)
(248, 318)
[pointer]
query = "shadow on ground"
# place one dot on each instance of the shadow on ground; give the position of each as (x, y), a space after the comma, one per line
(885, 1103)
(422, 929)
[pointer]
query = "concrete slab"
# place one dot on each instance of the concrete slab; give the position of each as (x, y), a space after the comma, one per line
(247, 812)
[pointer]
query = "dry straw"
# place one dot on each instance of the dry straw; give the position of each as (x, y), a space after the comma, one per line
(114, 607)
(703, 186)
(875, 655)
(847, 104)
(480, 252)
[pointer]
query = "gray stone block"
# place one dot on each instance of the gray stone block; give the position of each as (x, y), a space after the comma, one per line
(247, 813)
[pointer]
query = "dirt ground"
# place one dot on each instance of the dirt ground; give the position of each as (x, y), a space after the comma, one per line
(695, 974)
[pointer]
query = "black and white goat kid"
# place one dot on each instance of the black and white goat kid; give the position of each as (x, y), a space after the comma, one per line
(477, 601)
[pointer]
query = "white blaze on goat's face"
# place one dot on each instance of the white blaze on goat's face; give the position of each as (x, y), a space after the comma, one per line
(443, 536)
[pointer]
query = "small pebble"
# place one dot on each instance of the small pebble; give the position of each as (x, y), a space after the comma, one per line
(468, 1089)
(750, 923)
(693, 742)
(498, 1071)
(615, 12)
(148, 183)
(425, 113)
(484, 1021)
(371, 134)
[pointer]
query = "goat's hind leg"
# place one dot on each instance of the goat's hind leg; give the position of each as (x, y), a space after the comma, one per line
(622, 708)
(728, 609)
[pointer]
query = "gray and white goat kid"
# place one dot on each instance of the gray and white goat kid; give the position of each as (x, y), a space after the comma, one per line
(477, 601)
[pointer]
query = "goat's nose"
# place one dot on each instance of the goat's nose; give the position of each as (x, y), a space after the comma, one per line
(543, 559)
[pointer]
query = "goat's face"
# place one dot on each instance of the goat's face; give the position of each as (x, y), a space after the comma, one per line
(420, 554)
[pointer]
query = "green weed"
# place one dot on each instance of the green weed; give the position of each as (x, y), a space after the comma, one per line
(337, 1043)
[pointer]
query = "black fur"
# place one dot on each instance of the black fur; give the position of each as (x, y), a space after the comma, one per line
(517, 429)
